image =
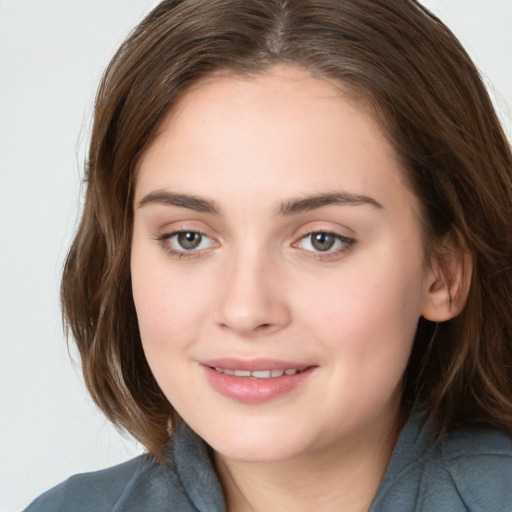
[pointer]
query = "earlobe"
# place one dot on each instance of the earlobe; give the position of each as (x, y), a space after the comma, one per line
(447, 287)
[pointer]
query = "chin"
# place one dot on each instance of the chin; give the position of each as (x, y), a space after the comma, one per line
(258, 451)
(262, 442)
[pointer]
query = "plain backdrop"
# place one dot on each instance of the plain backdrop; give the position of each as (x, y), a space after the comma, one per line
(52, 53)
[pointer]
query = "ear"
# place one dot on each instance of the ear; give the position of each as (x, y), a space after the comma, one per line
(448, 280)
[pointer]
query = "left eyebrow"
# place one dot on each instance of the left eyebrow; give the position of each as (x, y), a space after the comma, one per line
(316, 201)
(188, 201)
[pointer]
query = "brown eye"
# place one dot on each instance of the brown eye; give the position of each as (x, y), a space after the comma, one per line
(188, 240)
(183, 244)
(322, 241)
(325, 244)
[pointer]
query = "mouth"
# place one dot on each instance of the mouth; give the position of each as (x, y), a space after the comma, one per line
(257, 374)
(255, 382)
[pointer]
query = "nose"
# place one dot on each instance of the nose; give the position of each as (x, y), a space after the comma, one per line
(252, 298)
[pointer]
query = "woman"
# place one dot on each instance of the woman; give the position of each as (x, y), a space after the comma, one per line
(292, 279)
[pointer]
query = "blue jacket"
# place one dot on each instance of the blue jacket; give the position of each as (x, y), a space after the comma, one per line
(468, 470)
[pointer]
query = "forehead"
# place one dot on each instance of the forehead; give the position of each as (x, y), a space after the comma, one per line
(255, 133)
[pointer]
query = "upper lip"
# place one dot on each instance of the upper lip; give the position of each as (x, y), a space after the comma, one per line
(254, 365)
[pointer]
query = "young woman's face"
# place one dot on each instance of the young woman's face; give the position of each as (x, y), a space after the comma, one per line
(277, 266)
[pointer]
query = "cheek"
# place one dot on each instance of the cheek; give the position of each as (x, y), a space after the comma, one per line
(369, 315)
(163, 312)
(169, 316)
(162, 300)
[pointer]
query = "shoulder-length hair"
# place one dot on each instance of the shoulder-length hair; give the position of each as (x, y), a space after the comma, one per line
(422, 86)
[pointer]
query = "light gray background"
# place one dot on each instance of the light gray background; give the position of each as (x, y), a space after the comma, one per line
(52, 53)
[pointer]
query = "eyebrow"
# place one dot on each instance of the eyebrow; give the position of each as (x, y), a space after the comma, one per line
(314, 202)
(290, 207)
(188, 201)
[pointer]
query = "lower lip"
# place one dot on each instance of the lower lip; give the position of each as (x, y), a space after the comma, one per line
(251, 390)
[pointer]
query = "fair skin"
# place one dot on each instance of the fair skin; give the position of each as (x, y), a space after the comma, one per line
(234, 267)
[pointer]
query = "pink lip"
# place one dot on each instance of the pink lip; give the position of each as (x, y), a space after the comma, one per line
(253, 365)
(250, 390)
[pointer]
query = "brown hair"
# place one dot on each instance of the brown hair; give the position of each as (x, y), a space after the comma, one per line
(430, 99)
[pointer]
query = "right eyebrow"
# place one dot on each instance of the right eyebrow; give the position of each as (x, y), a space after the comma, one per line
(316, 201)
(191, 202)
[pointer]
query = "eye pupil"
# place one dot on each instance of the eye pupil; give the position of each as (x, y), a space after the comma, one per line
(322, 241)
(189, 240)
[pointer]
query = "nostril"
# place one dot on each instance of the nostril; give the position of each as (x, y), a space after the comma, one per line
(263, 327)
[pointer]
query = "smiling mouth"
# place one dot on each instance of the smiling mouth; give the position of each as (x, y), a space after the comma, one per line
(256, 381)
(259, 374)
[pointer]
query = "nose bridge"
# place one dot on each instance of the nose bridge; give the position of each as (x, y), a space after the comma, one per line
(251, 299)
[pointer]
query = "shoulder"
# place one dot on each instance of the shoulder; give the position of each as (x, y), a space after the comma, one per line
(479, 463)
(97, 490)
(467, 470)
(132, 485)
(184, 482)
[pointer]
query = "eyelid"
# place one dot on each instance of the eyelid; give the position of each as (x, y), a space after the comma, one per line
(347, 244)
(165, 240)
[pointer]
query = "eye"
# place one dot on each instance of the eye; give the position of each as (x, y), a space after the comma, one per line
(185, 242)
(188, 240)
(325, 242)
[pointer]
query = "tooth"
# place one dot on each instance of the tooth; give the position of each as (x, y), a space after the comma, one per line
(258, 374)
(262, 374)
(242, 373)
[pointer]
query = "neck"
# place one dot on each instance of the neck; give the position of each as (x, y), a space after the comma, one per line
(344, 477)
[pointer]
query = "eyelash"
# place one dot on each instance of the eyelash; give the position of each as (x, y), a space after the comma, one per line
(347, 244)
(165, 241)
